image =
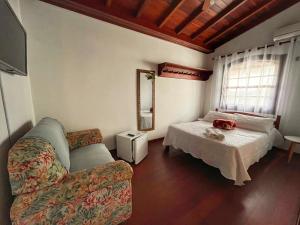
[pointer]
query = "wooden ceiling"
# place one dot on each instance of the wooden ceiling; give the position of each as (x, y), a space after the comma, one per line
(203, 25)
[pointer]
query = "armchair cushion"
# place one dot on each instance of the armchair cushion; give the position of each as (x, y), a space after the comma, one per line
(83, 138)
(89, 156)
(101, 195)
(32, 165)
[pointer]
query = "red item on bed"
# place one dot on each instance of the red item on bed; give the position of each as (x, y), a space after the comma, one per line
(224, 124)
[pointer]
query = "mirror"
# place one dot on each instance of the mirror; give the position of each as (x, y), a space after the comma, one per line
(145, 99)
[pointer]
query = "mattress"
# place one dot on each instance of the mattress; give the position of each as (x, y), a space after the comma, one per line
(232, 156)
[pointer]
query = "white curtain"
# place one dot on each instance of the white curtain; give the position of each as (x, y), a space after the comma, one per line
(216, 84)
(253, 81)
(286, 85)
(289, 91)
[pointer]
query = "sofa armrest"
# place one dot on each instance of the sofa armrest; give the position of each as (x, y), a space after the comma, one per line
(97, 195)
(83, 138)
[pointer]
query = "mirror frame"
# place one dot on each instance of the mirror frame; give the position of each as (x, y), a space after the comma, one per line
(139, 73)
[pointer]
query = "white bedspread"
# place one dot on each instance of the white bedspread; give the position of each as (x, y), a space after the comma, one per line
(233, 156)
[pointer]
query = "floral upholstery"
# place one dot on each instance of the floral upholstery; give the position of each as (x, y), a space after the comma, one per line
(83, 138)
(101, 196)
(32, 165)
(46, 194)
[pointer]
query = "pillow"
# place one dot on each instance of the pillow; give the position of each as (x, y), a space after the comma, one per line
(53, 131)
(32, 165)
(260, 124)
(213, 115)
(224, 124)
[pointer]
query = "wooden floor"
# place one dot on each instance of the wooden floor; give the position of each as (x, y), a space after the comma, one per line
(173, 188)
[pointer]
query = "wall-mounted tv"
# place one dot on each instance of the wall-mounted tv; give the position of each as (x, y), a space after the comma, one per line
(13, 55)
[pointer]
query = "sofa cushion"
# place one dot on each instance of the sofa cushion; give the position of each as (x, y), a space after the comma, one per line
(83, 138)
(89, 156)
(32, 165)
(53, 131)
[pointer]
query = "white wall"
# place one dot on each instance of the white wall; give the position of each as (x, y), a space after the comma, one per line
(5, 191)
(259, 36)
(17, 95)
(17, 98)
(83, 72)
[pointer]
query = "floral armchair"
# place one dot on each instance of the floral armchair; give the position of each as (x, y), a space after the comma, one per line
(47, 193)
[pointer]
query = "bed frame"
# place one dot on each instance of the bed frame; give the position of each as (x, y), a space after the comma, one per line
(276, 122)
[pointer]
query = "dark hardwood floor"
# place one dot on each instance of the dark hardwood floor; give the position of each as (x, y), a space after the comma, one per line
(173, 188)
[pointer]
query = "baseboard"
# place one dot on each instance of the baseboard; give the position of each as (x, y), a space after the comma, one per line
(156, 139)
(285, 146)
(150, 141)
(296, 151)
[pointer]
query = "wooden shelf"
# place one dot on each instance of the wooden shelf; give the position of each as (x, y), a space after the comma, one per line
(172, 70)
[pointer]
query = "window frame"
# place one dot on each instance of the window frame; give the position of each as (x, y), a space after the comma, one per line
(282, 59)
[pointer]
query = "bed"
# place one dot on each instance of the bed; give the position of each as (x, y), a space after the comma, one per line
(232, 156)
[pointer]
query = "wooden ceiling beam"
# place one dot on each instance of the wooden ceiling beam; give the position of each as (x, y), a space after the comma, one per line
(134, 20)
(195, 14)
(239, 22)
(108, 3)
(206, 5)
(174, 6)
(106, 14)
(229, 9)
(141, 8)
(273, 10)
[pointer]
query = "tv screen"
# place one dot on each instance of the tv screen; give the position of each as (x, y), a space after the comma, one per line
(13, 55)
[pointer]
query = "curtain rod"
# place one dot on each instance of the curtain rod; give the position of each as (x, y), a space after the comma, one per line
(261, 47)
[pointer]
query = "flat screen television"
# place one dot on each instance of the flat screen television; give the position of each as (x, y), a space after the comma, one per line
(13, 54)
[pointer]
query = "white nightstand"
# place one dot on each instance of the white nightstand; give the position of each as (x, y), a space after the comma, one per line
(294, 140)
(132, 148)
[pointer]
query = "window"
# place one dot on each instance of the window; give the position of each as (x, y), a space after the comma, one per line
(251, 84)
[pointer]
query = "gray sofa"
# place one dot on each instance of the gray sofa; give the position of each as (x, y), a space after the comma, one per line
(85, 156)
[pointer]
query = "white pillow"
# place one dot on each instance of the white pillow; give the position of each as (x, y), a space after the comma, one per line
(260, 124)
(213, 115)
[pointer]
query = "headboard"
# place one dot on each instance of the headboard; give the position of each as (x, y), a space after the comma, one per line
(276, 122)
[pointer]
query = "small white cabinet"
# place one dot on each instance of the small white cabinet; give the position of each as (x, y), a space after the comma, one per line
(132, 146)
